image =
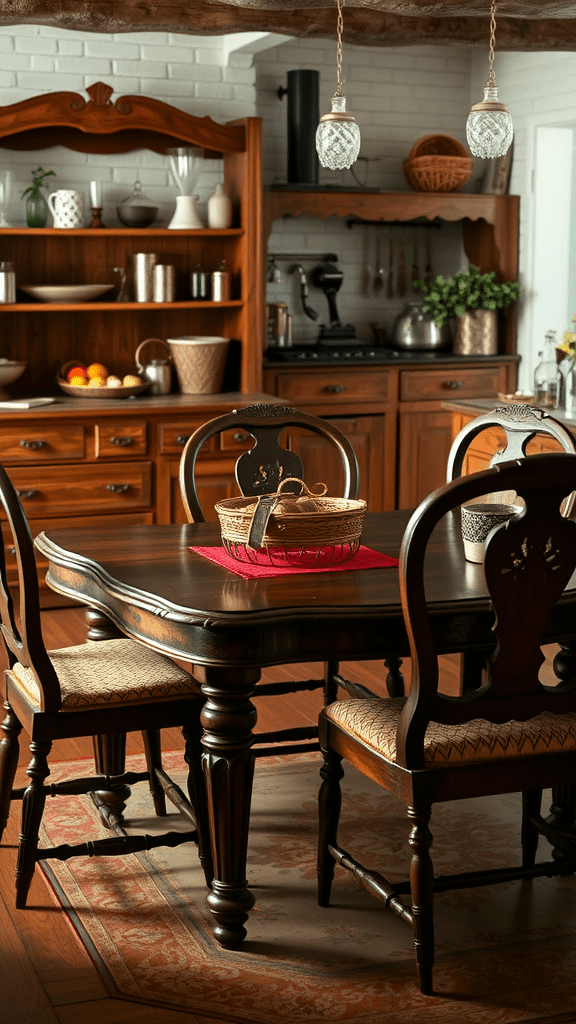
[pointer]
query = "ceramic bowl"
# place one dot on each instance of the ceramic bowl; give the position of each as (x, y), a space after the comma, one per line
(137, 216)
(10, 370)
(65, 293)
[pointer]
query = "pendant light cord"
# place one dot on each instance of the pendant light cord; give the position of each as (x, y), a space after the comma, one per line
(339, 30)
(490, 84)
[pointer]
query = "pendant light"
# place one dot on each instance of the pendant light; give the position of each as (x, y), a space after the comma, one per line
(338, 135)
(489, 128)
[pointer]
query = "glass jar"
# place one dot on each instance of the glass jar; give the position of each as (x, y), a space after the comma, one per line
(36, 210)
(546, 374)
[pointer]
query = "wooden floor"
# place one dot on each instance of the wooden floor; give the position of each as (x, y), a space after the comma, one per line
(46, 976)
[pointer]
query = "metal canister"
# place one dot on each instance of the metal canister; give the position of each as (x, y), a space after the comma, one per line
(279, 322)
(7, 282)
(200, 284)
(164, 283)
(220, 285)
(144, 263)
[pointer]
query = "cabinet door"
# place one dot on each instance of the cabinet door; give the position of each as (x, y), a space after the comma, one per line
(375, 452)
(425, 440)
(215, 480)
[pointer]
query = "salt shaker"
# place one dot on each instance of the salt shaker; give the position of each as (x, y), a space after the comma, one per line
(221, 284)
(7, 283)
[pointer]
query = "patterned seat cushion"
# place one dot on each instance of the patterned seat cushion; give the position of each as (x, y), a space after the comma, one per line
(109, 672)
(376, 721)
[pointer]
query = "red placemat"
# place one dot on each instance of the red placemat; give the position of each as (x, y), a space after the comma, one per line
(365, 558)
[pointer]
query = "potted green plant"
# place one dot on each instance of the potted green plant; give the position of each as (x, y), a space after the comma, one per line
(472, 299)
(36, 205)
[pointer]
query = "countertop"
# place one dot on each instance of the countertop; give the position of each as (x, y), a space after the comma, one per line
(65, 406)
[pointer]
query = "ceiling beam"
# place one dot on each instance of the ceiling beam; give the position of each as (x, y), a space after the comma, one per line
(363, 25)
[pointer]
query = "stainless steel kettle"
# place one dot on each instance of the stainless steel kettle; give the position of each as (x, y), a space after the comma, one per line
(158, 372)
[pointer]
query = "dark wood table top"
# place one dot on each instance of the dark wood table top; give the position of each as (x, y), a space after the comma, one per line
(156, 589)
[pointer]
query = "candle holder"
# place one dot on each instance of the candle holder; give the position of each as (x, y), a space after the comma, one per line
(96, 221)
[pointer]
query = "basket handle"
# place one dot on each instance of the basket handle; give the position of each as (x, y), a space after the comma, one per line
(265, 506)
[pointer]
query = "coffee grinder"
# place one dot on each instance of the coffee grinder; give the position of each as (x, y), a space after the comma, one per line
(328, 277)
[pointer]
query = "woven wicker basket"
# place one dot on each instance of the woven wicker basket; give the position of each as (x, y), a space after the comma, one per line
(200, 363)
(303, 530)
(437, 163)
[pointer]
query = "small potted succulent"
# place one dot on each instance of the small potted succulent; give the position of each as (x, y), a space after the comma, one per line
(36, 205)
(471, 298)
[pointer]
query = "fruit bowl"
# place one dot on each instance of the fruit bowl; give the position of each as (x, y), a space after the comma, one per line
(83, 391)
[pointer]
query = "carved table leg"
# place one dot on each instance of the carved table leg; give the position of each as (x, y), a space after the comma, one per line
(109, 751)
(228, 717)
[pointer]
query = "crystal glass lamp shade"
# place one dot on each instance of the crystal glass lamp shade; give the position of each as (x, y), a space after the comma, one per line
(489, 128)
(338, 137)
(186, 163)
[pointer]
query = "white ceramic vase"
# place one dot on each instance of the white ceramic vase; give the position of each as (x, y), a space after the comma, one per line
(219, 209)
(185, 215)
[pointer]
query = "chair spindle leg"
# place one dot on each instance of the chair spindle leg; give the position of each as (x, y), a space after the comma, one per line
(153, 752)
(192, 733)
(531, 804)
(329, 804)
(32, 809)
(422, 888)
(9, 751)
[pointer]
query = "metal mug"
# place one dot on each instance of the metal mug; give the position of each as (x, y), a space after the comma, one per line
(157, 372)
(67, 208)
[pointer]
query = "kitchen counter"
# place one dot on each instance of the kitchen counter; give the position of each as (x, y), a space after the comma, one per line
(479, 406)
(375, 355)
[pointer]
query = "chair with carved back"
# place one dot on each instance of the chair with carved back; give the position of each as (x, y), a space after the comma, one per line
(520, 424)
(97, 688)
(260, 471)
(516, 734)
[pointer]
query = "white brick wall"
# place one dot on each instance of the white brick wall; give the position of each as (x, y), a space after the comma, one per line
(186, 71)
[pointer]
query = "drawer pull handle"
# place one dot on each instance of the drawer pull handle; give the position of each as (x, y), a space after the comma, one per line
(239, 436)
(118, 488)
(122, 442)
(453, 385)
(182, 438)
(32, 445)
(23, 495)
(335, 389)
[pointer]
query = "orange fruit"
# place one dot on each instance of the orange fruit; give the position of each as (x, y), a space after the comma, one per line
(96, 370)
(97, 382)
(130, 380)
(76, 371)
(78, 381)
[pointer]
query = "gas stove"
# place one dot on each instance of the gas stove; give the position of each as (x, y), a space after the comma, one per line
(319, 355)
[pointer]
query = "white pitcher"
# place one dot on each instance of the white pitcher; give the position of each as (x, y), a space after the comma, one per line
(67, 208)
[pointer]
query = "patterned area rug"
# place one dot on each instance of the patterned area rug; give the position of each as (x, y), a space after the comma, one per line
(504, 954)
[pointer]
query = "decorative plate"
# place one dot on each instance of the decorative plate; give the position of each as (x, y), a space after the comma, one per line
(65, 292)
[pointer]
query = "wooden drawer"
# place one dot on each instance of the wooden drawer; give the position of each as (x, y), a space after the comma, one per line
(121, 439)
(458, 382)
(29, 442)
(298, 387)
(173, 437)
(83, 488)
(236, 441)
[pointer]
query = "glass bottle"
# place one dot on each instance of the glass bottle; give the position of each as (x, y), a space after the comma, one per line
(36, 210)
(546, 374)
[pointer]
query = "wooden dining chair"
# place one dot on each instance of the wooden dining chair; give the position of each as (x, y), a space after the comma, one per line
(516, 734)
(260, 471)
(97, 688)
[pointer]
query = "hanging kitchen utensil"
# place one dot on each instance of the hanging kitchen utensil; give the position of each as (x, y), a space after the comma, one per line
(415, 272)
(390, 288)
(401, 279)
(367, 270)
(428, 275)
(378, 282)
(304, 292)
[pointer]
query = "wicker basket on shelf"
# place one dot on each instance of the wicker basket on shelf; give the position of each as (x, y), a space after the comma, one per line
(305, 530)
(437, 163)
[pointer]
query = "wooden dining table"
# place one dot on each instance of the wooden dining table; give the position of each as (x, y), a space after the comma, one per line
(147, 583)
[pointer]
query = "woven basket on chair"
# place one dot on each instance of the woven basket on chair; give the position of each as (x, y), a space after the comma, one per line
(437, 163)
(306, 530)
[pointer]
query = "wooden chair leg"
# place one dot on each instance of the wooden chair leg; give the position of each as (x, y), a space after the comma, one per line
(395, 683)
(329, 804)
(153, 752)
(192, 733)
(9, 751)
(32, 809)
(331, 670)
(422, 888)
(531, 805)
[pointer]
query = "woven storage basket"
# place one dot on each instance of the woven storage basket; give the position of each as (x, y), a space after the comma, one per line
(200, 363)
(306, 530)
(437, 163)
